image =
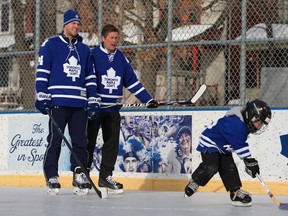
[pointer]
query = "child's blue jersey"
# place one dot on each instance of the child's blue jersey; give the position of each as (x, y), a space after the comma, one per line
(114, 72)
(65, 72)
(227, 135)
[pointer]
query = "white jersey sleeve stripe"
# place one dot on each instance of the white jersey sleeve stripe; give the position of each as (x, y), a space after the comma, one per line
(90, 77)
(110, 96)
(133, 85)
(242, 156)
(42, 79)
(69, 96)
(67, 87)
(140, 90)
(108, 104)
(242, 149)
(44, 71)
(207, 138)
(210, 145)
(90, 84)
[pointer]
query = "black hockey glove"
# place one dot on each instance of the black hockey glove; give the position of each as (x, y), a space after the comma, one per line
(251, 167)
(152, 104)
(93, 111)
(43, 106)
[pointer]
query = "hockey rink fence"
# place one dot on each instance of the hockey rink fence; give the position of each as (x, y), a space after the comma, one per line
(237, 48)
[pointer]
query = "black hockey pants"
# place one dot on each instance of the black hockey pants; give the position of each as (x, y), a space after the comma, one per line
(110, 125)
(76, 119)
(213, 163)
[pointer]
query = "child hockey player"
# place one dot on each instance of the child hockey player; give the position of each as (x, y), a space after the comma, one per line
(66, 86)
(227, 135)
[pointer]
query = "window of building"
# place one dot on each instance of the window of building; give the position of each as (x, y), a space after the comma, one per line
(282, 10)
(5, 17)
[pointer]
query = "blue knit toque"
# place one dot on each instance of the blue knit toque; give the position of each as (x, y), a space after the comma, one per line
(71, 16)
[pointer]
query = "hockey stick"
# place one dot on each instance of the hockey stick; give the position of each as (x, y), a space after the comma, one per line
(283, 206)
(191, 101)
(99, 193)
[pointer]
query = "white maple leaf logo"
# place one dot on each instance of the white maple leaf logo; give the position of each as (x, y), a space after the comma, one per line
(72, 69)
(110, 81)
(228, 148)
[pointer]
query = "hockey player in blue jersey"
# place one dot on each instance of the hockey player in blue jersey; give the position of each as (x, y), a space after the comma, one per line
(113, 72)
(66, 87)
(218, 141)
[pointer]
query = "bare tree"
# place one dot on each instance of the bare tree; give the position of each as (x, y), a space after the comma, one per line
(23, 43)
(151, 19)
(124, 12)
(26, 72)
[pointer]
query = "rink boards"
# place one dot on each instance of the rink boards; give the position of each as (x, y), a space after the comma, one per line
(23, 143)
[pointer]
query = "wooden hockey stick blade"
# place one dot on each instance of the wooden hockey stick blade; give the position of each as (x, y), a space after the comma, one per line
(199, 93)
(193, 100)
(282, 206)
(101, 194)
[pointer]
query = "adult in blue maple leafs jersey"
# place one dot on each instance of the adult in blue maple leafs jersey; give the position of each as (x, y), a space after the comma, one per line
(113, 72)
(66, 87)
(220, 140)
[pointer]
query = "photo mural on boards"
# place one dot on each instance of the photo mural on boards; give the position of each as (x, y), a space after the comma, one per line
(148, 144)
(152, 144)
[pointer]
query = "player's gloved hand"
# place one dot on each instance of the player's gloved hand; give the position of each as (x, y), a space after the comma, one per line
(93, 108)
(43, 106)
(152, 104)
(43, 102)
(93, 111)
(251, 167)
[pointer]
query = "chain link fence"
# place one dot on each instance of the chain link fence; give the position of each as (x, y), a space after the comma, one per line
(239, 48)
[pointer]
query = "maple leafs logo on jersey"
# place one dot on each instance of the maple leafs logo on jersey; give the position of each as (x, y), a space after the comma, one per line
(72, 69)
(110, 81)
(228, 148)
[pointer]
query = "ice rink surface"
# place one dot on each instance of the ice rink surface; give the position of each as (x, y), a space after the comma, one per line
(34, 201)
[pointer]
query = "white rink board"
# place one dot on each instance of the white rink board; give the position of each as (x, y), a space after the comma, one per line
(23, 140)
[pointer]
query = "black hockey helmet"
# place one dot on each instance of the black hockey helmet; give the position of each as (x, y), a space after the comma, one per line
(254, 111)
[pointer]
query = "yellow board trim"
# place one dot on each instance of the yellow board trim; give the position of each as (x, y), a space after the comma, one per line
(160, 184)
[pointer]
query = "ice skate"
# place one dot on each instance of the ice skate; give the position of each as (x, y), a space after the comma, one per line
(53, 186)
(112, 186)
(191, 188)
(241, 198)
(80, 182)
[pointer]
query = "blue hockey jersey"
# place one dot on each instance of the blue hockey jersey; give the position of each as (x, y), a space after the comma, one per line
(65, 72)
(114, 72)
(227, 135)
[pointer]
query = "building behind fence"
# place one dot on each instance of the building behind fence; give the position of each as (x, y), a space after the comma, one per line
(237, 47)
